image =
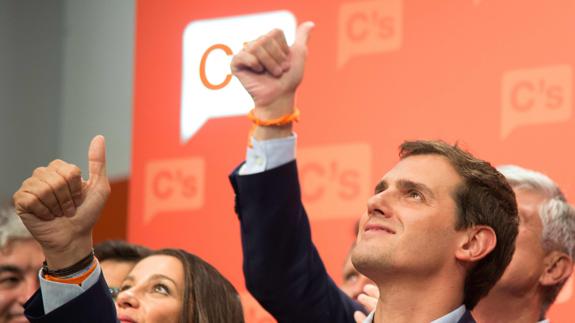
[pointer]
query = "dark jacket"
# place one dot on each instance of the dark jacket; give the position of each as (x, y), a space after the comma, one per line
(282, 267)
(95, 305)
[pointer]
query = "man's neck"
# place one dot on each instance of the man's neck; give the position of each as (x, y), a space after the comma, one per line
(499, 307)
(419, 300)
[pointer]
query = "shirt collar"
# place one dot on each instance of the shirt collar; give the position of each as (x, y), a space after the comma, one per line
(451, 317)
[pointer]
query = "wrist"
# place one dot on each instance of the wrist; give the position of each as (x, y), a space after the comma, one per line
(279, 108)
(59, 258)
(79, 269)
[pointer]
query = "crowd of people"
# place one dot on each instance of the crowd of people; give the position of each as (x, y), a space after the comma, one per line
(445, 237)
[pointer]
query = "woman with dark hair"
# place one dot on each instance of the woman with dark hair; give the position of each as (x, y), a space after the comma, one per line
(168, 286)
(172, 285)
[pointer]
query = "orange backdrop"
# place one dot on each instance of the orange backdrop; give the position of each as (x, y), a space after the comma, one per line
(496, 76)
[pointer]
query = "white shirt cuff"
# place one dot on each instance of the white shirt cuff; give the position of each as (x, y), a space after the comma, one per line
(56, 294)
(268, 154)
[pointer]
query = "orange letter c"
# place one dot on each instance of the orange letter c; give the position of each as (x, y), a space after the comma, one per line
(203, 77)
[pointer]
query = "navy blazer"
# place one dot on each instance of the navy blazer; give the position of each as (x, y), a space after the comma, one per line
(282, 267)
(467, 318)
(95, 305)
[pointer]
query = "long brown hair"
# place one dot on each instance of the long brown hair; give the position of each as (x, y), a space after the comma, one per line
(208, 296)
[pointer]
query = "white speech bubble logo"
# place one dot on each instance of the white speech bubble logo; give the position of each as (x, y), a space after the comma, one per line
(208, 88)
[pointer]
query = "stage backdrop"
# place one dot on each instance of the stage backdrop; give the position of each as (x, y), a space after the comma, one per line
(495, 76)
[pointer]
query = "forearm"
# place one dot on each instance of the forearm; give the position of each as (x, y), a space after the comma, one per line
(282, 268)
(275, 233)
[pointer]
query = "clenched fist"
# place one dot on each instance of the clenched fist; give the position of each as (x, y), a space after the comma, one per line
(271, 71)
(60, 209)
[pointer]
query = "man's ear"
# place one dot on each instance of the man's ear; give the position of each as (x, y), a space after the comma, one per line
(558, 267)
(476, 243)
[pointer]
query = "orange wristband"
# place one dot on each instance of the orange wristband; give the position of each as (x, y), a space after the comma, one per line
(281, 121)
(73, 280)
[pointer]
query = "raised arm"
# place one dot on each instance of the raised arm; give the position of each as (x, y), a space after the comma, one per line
(60, 210)
(282, 268)
(271, 71)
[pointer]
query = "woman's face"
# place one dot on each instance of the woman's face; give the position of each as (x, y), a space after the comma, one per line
(153, 292)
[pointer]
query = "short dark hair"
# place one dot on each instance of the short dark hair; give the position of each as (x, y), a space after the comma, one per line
(208, 296)
(484, 198)
(120, 250)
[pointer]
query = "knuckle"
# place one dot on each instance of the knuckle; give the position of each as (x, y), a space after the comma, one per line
(38, 171)
(75, 172)
(56, 163)
(276, 32)
(17, 198)
(44, 192)
(22, 202)
(72, 172)
(56, 182)
(31, 183)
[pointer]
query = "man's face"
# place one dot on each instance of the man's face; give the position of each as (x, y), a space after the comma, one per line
(527, 265)
(410, 221)
(20, 261)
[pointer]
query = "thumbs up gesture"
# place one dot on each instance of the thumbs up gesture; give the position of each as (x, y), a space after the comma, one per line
(271, 71)
(60, 209)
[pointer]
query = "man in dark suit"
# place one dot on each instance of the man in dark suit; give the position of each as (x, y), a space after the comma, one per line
(543, 258)
(60, 210)
(437, 233)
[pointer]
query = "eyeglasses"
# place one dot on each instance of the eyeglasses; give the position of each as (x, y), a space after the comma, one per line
(114, 291)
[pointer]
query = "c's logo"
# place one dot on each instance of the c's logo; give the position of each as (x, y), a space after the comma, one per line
(208, 88)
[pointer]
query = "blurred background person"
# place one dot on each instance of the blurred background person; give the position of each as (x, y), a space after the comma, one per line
(20, 259)
(117, 258)
(544, 252)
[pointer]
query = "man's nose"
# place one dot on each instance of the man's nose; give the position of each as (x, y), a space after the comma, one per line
(379, 203)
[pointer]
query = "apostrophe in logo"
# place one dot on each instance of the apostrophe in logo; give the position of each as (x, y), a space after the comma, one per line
(536, 96)
(173, 185)
(208, 88)
(369, 27)
(335, 179)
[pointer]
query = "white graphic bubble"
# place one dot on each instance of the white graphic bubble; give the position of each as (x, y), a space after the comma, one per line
(208, 88)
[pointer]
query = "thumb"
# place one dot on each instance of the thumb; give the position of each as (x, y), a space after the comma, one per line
(97, 159)
(302, 33)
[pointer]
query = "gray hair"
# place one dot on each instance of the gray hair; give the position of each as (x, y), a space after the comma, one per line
(11, 227)
(557, 217)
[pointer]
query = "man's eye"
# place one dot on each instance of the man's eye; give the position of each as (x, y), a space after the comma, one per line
(10, 281)
(416, 195)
